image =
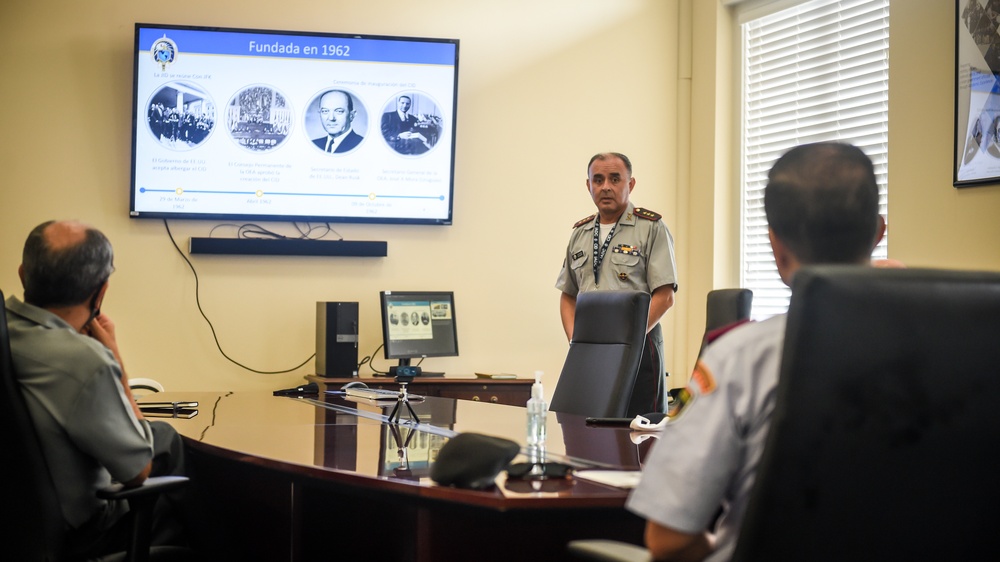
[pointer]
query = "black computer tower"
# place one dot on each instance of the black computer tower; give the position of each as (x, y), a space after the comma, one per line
(337, 339)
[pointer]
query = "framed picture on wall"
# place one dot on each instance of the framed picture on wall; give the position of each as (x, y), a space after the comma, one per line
(977, 92)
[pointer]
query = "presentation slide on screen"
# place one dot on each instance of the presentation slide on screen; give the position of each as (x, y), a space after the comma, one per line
(293, 125)
(410, 320)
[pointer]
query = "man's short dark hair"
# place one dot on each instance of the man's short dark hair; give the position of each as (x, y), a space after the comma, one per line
(350, 100)
(606, 155)
(821, 200)
(65, 276)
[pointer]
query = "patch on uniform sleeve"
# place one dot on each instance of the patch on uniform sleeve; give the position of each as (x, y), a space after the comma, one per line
(582, 222)
(679, 403)
(702, 379)
(647, 214)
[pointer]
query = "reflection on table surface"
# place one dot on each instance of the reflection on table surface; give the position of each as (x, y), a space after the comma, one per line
(328, 434)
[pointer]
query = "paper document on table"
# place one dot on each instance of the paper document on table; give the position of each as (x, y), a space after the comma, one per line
(616, 478)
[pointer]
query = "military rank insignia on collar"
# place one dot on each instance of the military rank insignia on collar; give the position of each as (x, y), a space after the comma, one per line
(647, 214)
(626, 249)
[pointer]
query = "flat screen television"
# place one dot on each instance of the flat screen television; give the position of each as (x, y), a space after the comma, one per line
(249, 124)
(418, 324)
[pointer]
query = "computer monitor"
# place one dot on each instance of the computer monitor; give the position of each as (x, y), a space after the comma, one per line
(418, 324)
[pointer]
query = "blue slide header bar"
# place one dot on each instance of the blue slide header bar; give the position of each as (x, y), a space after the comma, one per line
(322, 47)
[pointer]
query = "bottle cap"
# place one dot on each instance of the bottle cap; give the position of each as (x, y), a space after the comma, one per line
(536, 388)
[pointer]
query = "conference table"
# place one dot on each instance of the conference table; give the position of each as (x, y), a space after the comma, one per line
(329, 477)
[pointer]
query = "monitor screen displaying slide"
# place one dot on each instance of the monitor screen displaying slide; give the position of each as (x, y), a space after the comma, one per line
(240, 124)
(417, 324)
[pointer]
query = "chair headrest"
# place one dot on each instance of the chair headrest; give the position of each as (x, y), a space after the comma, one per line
(610, 316)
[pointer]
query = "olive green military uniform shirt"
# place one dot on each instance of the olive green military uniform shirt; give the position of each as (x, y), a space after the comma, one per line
(639, 257)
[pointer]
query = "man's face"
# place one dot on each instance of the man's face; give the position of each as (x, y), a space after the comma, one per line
(333, 113)
(403, 104)
(610, 183)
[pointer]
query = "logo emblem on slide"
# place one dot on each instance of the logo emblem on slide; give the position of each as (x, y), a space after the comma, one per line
(164, 52)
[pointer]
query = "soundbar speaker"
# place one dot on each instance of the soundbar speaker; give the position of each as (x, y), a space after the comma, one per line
(337, 339)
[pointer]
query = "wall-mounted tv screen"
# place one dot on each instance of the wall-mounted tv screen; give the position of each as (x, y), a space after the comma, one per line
(242, 124)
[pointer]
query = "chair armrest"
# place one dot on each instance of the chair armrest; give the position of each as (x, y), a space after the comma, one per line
(149, 487)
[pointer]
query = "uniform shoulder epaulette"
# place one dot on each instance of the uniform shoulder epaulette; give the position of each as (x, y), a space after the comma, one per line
(647, 214)
(582, 222)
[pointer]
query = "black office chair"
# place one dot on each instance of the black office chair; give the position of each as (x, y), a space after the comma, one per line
(33, 526)
(883, 440)
(599, 374)
(883, 444)
(724, 307)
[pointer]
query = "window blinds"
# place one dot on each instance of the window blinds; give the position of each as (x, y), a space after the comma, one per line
(815, 72)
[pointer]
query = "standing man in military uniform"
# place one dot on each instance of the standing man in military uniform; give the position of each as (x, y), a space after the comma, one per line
(622, 247)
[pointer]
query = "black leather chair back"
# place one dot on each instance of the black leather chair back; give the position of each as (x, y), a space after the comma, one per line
(31, 507)
(726, 306)
(599, 373)
(884, 441)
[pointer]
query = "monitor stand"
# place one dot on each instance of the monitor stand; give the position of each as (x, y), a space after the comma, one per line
(404, 369)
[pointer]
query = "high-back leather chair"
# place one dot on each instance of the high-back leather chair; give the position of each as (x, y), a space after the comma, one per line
(727, 306)
(598, 376)
(883, 444)
(30, 506)
(724, 308)
(884, 440)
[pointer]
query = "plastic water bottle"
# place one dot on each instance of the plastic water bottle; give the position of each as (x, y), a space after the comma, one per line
(538, 410)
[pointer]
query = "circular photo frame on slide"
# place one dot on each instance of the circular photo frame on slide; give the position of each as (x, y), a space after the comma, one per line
(259, 118)
(336, 121)
(411, 123)
(180, 116)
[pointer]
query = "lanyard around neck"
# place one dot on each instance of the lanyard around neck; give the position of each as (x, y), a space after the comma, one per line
(600, 250)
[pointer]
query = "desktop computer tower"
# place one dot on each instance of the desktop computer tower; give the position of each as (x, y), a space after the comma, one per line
(337, 339)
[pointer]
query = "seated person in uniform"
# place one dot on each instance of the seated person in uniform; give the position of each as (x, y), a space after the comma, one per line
(68, 366)
(821, 203)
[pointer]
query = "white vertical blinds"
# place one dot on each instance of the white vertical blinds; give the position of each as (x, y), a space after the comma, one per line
(815, 72)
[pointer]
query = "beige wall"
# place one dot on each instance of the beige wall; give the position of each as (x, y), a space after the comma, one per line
(543, 85)
(930, 222)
